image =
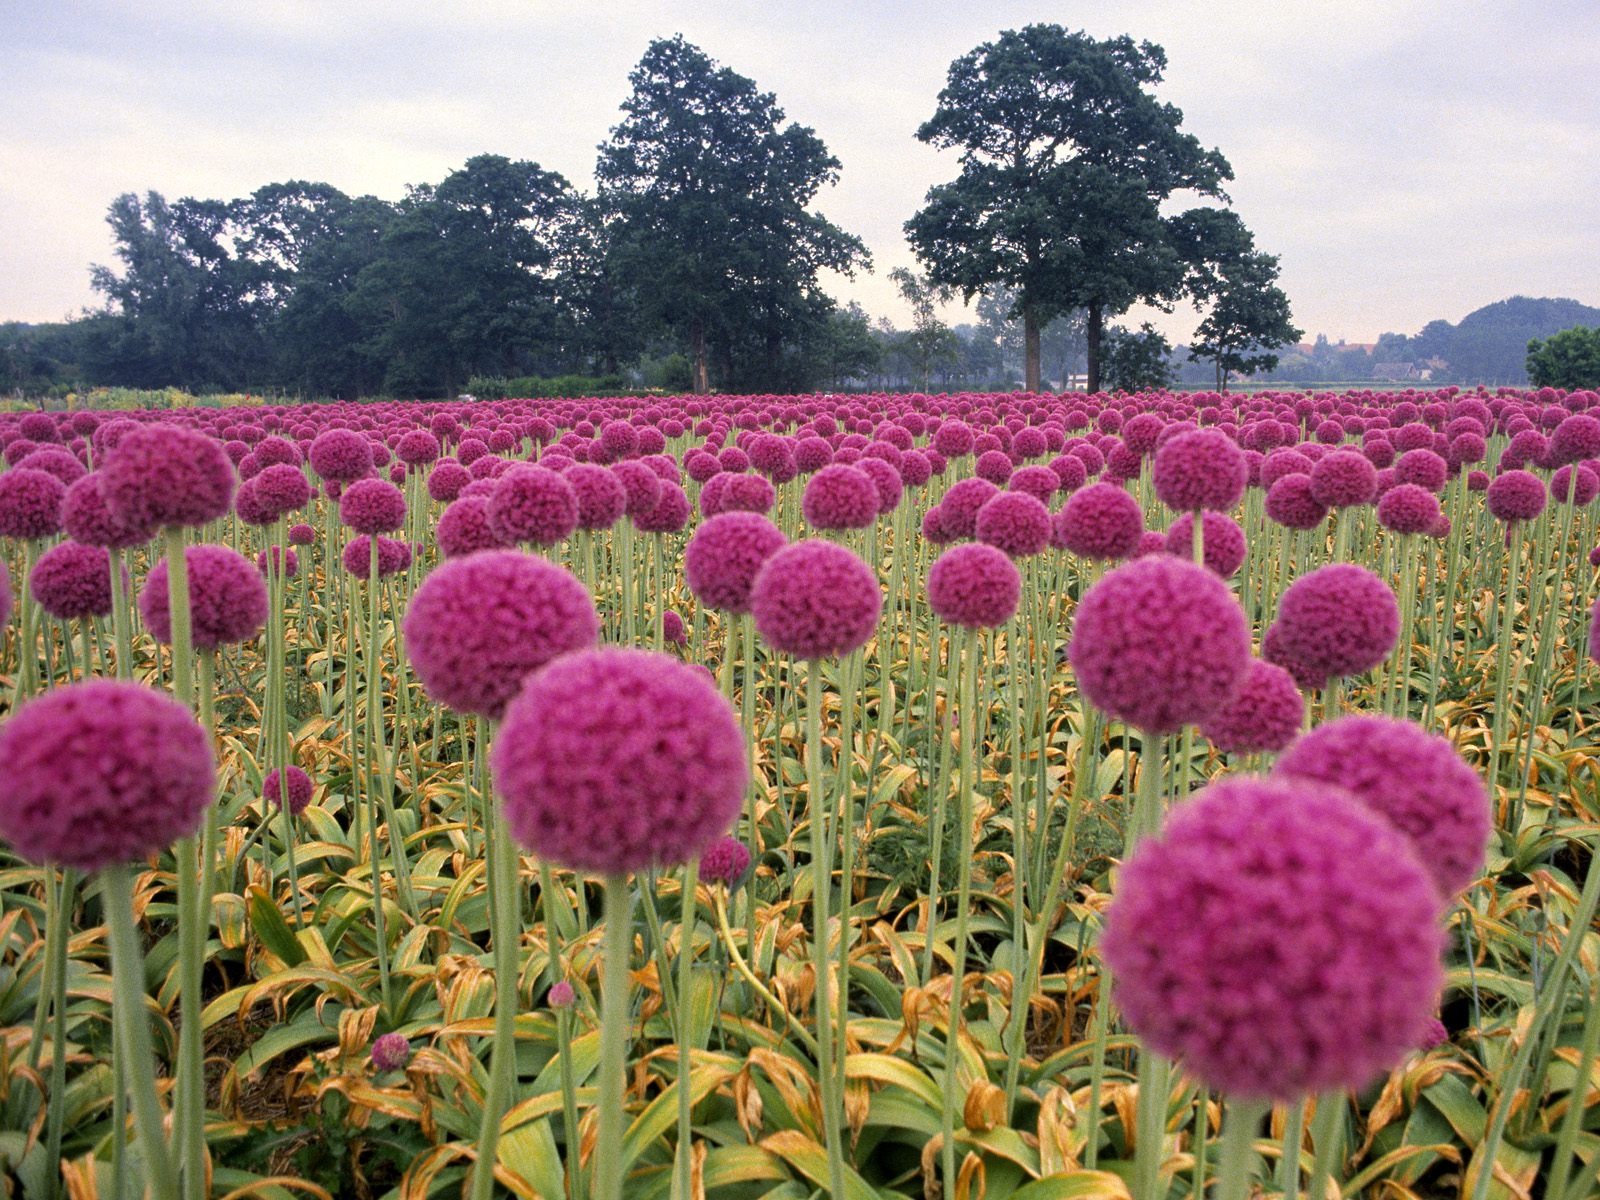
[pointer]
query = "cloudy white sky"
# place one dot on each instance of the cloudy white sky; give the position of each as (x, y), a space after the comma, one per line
(1407, 159)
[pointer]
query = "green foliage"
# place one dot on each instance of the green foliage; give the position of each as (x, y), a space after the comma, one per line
(1135, 361)
(1569, 359)
(531, 387)
(1249, 318)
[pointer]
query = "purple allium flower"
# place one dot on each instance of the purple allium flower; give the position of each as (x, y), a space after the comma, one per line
(1151, 541)
(1583, 482)
(1423, 468)
(1039, 482)
(227, 598)
(1160, 643)
(57, 461)
(672, 629)
(30, 504)
(464, 528)
(417, 448)
(1100, 521)
(1336, 621)
(390, 1052)
(600, 495)
(1069, 471)
(739, 492)
(886, 482)
(250, 507)
(815, 599)
(299, 789)
(372, 506)
(1413, 778)
(1264, 715)
(616, 759)
(165, 475)
(1408, 508)
(1282, 462)
(561, 995)
(840, 497)
(533, 505)
(72, 581)
(954, 439)
(478, 625)
(1311, 961)
(102, 772)
(1224, 545)
(993, 465)
(88, 519)
(723, 556)
(1015, 522)
(671, 511)
(1516, 496)
(1273, 652)
(302, 535)
(1198, 470)
(394, 556)
(1575, 439)
(974, 585)
(724, 861)
(446, 480)
(282, 488)
(341, 455)
(1344, 479)
(1292, 503)
(1436, 1035)
(642, 485)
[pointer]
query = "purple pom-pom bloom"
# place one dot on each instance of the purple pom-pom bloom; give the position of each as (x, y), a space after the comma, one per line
(724, 555)
(1200, 469)
(302, 535)
(672, 630)
(478, 625)
(227, 598)
(394, 556)
(1344, 479)
(1292, 502)
(974, 585)
(390, 1052)
(286, 561)
(616, 759)
(840, 497)
(1278, 938)
(561, 995)
(1264, 715)
(1100, 521)
(299, 789)
(961, 505)
(72, 581)
(165, 475)
(373, 506)
(1160, 643)
(815, 599)
(671, 511)
(88, 519)
(1336, 621)
(1516, 496)
(534, 505)
(1015, 522)
(1408, 508)
(724, 861)
(464, 528)
(30, 504)
(1224, 547)
(100, 773)
(1413, 778)
(600, 495)
(341, 455)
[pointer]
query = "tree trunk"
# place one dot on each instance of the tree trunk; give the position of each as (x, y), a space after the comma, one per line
(1092, 331)
(699, 381)
(1030, 349)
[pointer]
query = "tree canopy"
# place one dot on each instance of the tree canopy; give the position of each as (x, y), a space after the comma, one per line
(1569, 359)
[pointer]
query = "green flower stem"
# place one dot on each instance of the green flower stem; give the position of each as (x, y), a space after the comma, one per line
(569, 1102)
(505, 917)
(375, 736)
(749, 976)
(686, 1030)
(618, 949)
(1202, 1142)
(1572, 1118)
(624, 562)
(1238, 1149)
(127, 982)
(64, 898)
(1502, 673)
(381, 774)
(1154, 1071)
(1327, 1137)
(821, 886)
(27, 637)
(941, 788)
(121, 622)
(966, 660)
(1294, 1132)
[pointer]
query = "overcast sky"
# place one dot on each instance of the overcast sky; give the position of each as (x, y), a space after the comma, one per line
(1406, 159)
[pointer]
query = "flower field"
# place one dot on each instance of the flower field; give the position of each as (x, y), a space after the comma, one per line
(981, 796)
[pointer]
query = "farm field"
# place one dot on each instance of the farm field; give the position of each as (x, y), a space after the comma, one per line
(974, 795)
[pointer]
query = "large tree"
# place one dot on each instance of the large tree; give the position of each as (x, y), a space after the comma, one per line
(1569, 359)
(709, 195)
(1066, 157)
(1248, 321)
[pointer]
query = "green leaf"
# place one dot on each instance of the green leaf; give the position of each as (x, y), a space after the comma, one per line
(272, 929)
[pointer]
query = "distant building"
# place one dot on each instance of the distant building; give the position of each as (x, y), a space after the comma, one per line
(1395, 371)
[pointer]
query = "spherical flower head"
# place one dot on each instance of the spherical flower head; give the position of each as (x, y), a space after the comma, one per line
(284, 559)
(87, 518)
(1344, 479)
(1337, 621)
(102, 772)
(446, 480)
(1575, 439)
(372, 506)
(671, 511)
(1292, 503)
(1516, 496)
(1224, 545)
(600, 495)
(1284, 461)
(417, 448)
(1310, 961)
(390, 1052)
(533, 505)
(642, 485)
(72, 581)
(478, 625)
(298, 789)
(724, 555)
(915, 468)
(954, 439)
(30, 504)
(341, 455)
(302, 535)
(724, 861)
(1160, 643)
(815, 599)
(743, 493)
(961, 504)
(1015, 522)
(57, 461)
(1423, 468)
(1069, 471)
(618, 759)
(1264, 715)
(165, 475)
(282, 488)
(1201, 469)
(394, 556)
(464, 528)
(561, 995)
(672, 629)
(1412, 778)
(38, 427)
(1100, 521)
(1151, 541)
(974, 585)
(1039, 482)
(993, 465)
(840, 497)
(1408, 508)
(249, 506)
(1582, 482)
(886, 482)
(227, 598)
